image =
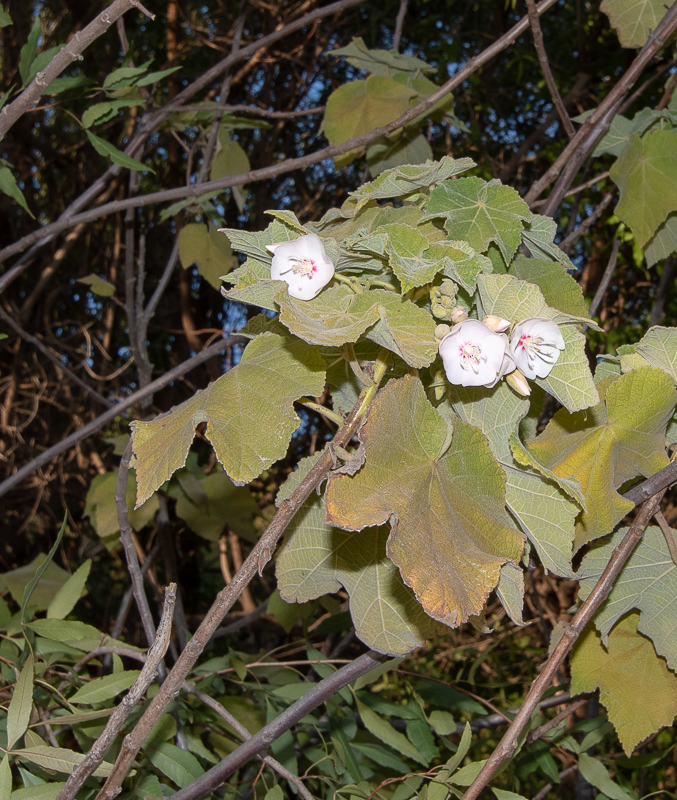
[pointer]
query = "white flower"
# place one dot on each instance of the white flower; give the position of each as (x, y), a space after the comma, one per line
(473, 355)
(303, 265)
(535, 345)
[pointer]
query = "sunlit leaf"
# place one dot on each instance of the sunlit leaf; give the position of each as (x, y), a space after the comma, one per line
(380, 62)
(272, 373)
(623, 673)
(480, 213)
(559, 289)
(452, 532)
(209, 249)
(634, 19)
(98, 285)
(613, 442)
(658, 347)
(646, 176)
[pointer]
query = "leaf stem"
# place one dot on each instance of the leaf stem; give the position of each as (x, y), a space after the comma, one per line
(320, 409)
(351, 358)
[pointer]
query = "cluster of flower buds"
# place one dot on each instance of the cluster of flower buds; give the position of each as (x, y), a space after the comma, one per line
(303, 264)
(443, 300)
(478, 353)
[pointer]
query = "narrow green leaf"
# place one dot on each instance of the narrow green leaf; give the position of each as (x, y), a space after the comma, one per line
(102, 112)
(124, 76)
(106, 149)
(5, 778)
(69, 594)
(41, 791)
(597, 775)
(28, 50)
(9, 186)
(21, 704)
(5, 18)
(154, 77)
(59, 759)
(30, 588)
(64, 630)
(42, 60)
(178, 765)
(384, 731)
(105, 688)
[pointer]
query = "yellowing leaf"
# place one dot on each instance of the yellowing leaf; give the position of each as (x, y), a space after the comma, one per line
(637, 689)
(634, 19)
(659, 348)
(480, 213)
(647, 582)
(317, 559)
(209, 249)
(646, 176)
(272, 373)
(601, 448)
(452, 533)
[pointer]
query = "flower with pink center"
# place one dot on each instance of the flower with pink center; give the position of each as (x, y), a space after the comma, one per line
(303, 264)
(535, 345)
(473, 355)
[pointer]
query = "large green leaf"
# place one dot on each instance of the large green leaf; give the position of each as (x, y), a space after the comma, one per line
(559, 289)
(634, 19)
(658, 347)
(410, 148)
(209, 249)
(317, 559)
(647, 582)
(338, 315)
(452, 533)
(360, 106)
(542, 509)
(636, 687)
(646, 176)
(605, 446)
(273, 372)
(480, 213)
(401, 181)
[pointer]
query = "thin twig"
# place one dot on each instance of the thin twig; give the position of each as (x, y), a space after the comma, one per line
(153, 660)
(240, 729)
(568, 162)
(667, 96)
(259, 556)
(663, 290)
(283, 167)
(589, 221)
(555, 721)
(207, 783)
(7, 319)
(508, 744)
(547, 72)
(667, 533)
(65, 57)
(399, 24)
(255, 111)
(606, 280)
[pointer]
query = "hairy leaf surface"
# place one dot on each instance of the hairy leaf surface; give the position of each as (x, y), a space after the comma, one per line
(272, 373)
(452, 533)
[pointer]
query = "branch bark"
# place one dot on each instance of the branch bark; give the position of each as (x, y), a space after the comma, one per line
(64, 58)
(508, 744)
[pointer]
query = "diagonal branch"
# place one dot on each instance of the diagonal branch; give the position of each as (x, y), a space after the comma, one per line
(545, 66)
(508, 744)
(259, 556)
(64, 58)
(282, 168)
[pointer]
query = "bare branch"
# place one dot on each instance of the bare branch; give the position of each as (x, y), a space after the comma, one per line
(282, 168)
(663, 290)
(547, 72)
(64, 58)
(153, 660)
(98, 423)
(259, 556)
(399, 24)
(588, 222)
(508, 744)
(573, 155)
(606, 280)
(327, 687)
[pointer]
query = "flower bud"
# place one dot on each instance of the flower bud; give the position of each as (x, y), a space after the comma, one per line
(519, 383)
(459, 314)
(496, 324)
(441, 331)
